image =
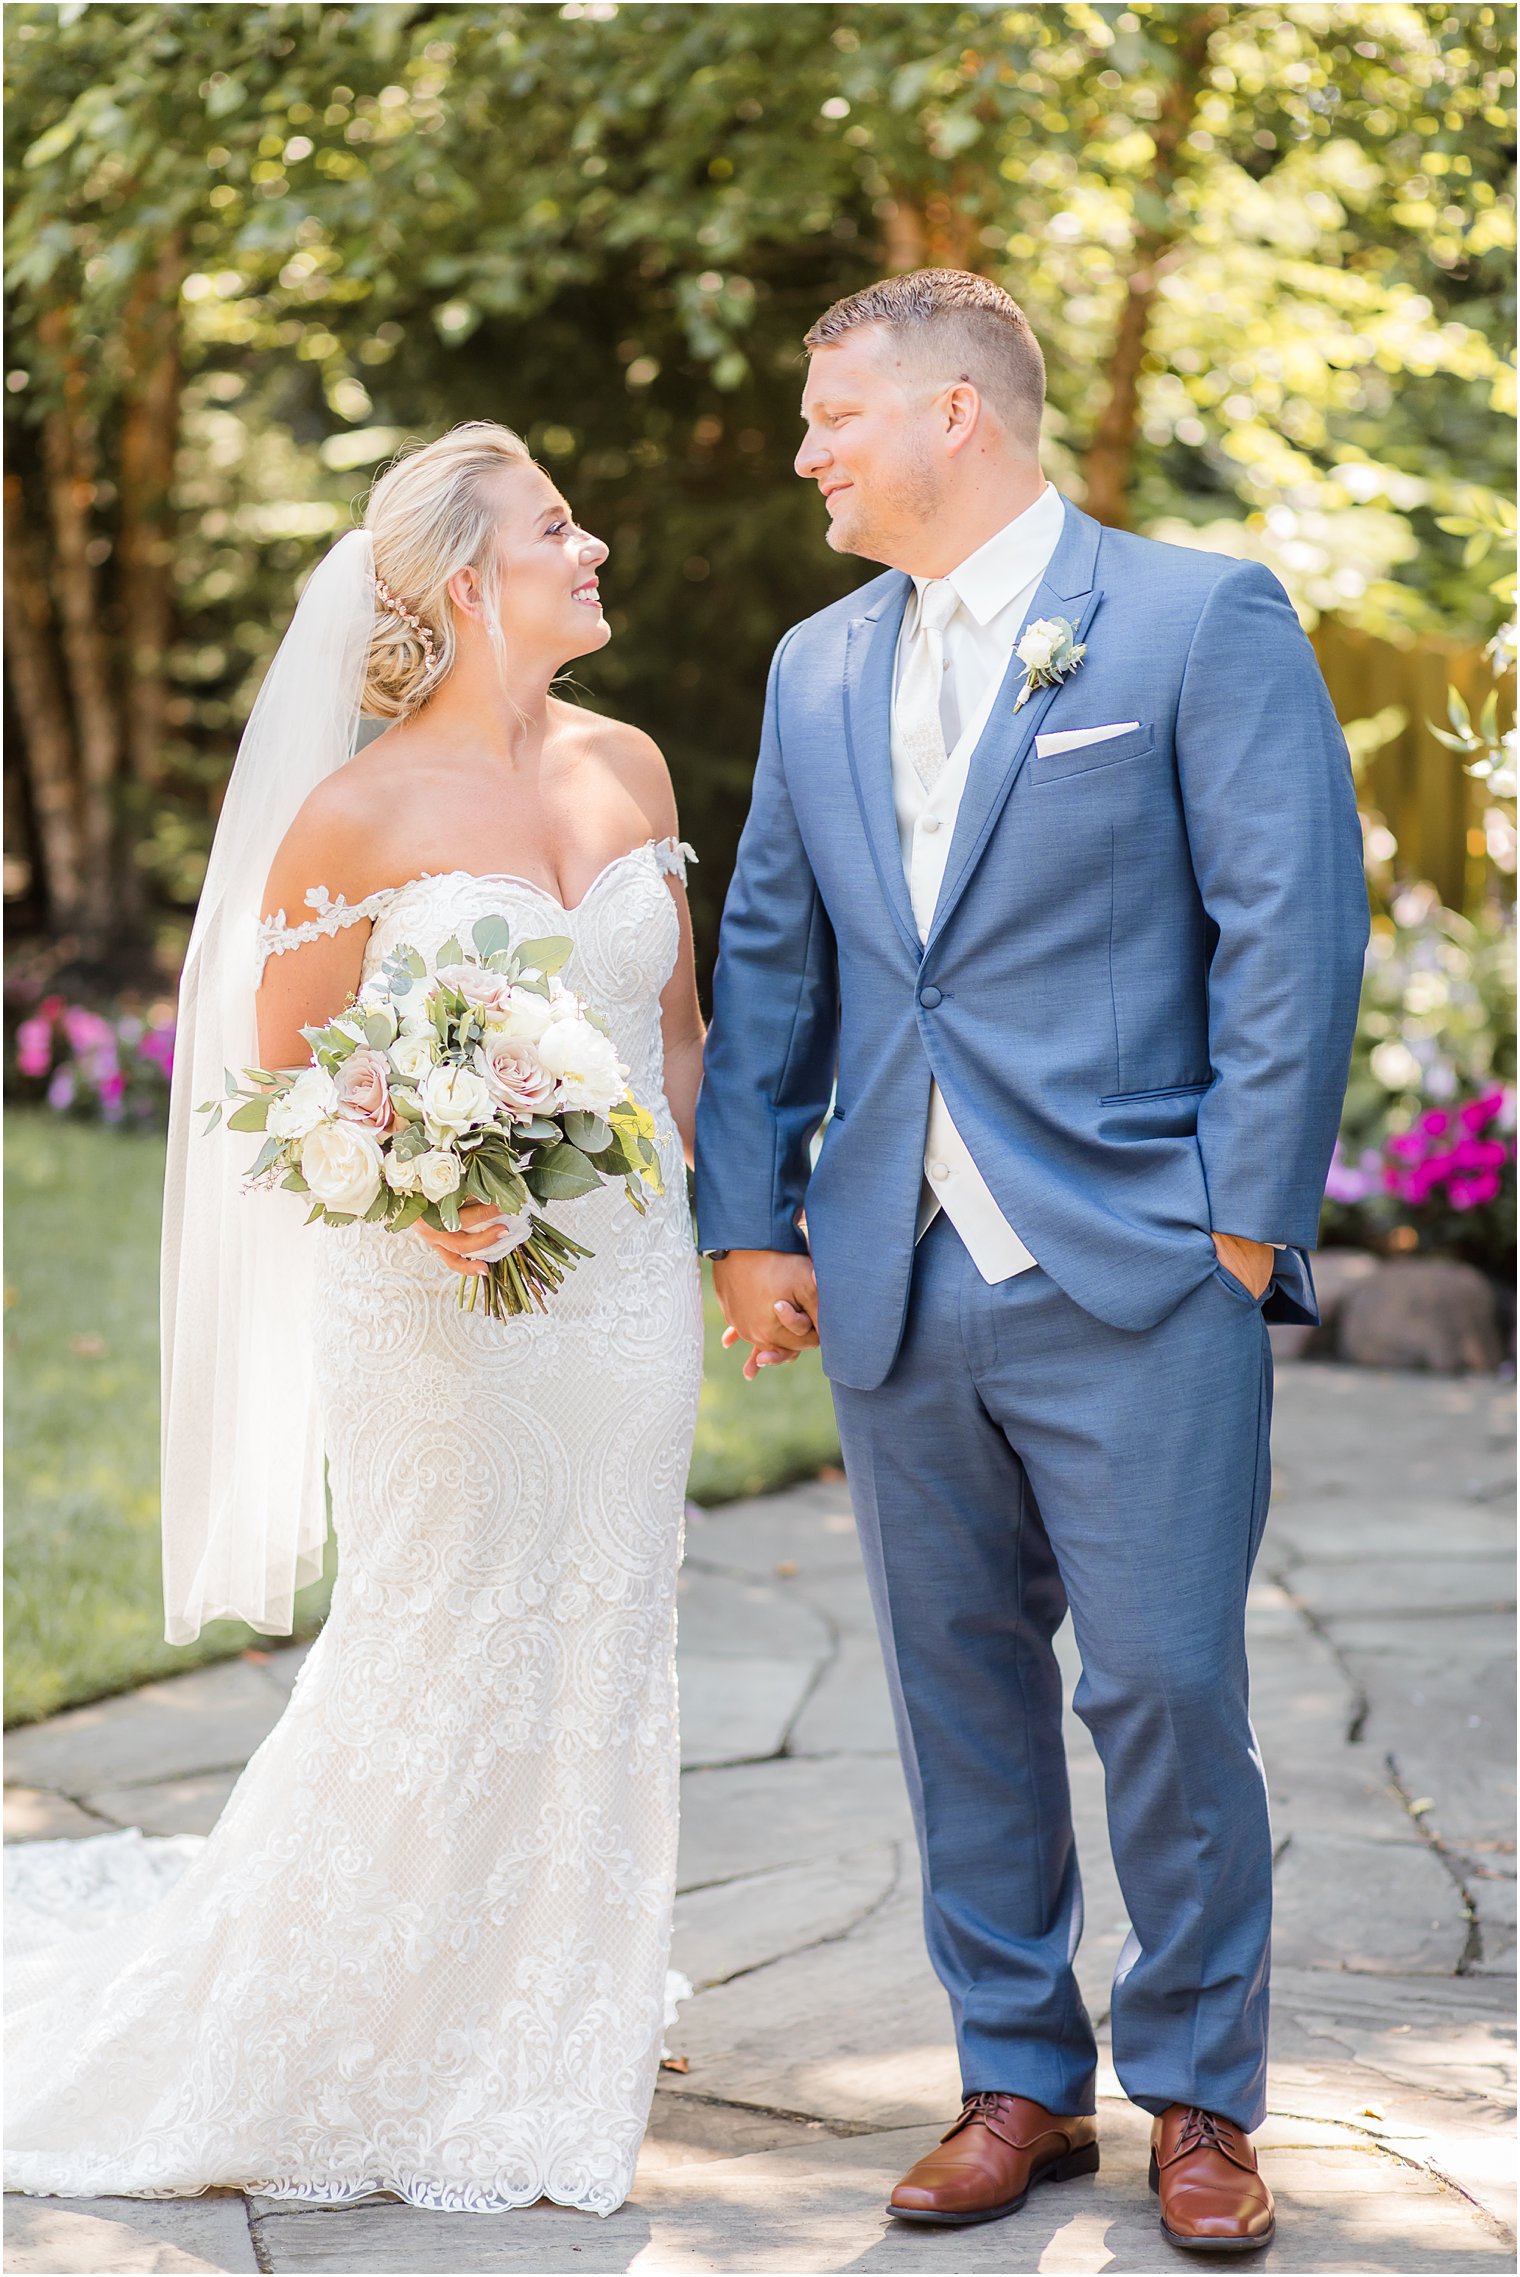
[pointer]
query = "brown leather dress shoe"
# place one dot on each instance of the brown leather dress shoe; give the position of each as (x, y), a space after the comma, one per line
(986, 2166)
(1212, 2198)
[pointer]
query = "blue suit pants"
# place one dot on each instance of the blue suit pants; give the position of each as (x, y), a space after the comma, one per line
(1022, 1459)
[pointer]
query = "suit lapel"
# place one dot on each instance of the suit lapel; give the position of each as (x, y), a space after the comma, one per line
(1068, 589)
(869, 662)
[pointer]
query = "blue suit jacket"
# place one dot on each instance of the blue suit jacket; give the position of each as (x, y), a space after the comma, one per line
(1140, 985)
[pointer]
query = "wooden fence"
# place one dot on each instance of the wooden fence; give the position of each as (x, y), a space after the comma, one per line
(1433, 808)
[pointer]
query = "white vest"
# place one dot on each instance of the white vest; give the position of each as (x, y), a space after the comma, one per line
(995, 587)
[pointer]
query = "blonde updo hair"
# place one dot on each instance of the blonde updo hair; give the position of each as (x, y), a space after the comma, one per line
(431, 514)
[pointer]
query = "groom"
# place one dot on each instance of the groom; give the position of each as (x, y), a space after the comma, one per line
(1050, 899)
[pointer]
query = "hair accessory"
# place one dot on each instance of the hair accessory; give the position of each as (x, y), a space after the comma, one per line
(395, 608)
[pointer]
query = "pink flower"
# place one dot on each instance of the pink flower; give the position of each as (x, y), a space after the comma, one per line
(1405, 1146)
(1479, 1113)
(516, 1078)
(60, 1092)
(1478, 1154)
(34, 1045)
(87, 1031)
(1435, 1121)
(1472, 1193)
(363, 1090)
(1345, 1182)
(157, 1046)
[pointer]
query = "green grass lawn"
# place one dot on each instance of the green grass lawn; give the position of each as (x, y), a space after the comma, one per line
(83, 1610)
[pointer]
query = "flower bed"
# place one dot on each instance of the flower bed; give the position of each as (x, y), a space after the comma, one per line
(109, 1067)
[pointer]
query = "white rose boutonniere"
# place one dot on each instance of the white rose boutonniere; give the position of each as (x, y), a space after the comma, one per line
(1049, 652)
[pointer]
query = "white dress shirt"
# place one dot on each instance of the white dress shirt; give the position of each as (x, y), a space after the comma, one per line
(995, 587)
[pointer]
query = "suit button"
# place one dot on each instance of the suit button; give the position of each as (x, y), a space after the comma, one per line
(929, 997)
(937, 1170)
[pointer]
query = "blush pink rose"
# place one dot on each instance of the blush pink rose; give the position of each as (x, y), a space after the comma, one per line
(363, 1092)
(516, 1078)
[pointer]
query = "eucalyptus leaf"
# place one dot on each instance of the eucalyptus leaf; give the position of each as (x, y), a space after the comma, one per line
(491, 935)
(231, 1084)
(377, 1032)
(546, 956)
(562, 1174)
(452, 952)
(251, 1116)
(587, 1131)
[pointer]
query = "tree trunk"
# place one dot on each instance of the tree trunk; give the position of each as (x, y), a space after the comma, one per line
(67, 456)
(1109, 462)
(149, 441)
(931, 228)
(43, 711)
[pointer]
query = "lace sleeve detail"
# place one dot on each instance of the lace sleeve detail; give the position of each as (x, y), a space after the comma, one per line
(673, 854)
(332, 914)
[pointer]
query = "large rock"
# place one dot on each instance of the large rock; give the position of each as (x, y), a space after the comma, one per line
(1421, 1312)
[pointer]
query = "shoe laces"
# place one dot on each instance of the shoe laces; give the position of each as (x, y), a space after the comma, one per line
(1201, 2130)
(986, 2103)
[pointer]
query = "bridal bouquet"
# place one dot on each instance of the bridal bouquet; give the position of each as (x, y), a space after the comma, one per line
(484, 1080)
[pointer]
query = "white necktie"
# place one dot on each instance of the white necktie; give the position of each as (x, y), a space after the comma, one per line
(920, 718)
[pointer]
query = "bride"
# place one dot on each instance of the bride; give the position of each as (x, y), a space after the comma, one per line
(424, 1950)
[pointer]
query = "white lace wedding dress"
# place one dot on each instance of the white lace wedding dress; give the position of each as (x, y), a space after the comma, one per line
(425, 1948)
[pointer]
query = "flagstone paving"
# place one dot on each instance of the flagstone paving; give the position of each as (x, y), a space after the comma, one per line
(817, 2040)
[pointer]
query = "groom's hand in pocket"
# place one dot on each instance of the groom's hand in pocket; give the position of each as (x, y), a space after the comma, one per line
(770, 1301)
(1251, 1262)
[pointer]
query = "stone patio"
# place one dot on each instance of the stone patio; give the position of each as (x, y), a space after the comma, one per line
(817, 2040)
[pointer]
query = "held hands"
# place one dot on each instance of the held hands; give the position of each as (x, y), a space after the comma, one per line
(1249, 1261)
(770, 1302)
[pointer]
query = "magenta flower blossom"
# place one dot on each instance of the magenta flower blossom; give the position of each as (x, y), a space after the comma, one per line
(34, 1046)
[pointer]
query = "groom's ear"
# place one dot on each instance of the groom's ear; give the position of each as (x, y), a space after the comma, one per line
(965, 414)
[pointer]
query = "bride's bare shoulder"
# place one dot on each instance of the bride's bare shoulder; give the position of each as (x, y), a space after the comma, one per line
(344, 835)
(631, 757)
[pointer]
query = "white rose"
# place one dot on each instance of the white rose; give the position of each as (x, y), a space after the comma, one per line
(1039, 645)
(413, 1055)
(591, 1075)
(400, 1176)
(311, 1097)
(341, 1163)
(454, 1099)
(438, 1173)
(520, 1017)
(416, 1019)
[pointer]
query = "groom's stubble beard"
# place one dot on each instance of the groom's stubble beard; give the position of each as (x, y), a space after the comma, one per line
(885, 526)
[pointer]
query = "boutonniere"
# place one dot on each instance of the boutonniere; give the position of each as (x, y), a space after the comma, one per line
(1049, 652)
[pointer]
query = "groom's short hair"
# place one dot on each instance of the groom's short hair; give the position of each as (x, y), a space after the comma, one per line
(962, 325)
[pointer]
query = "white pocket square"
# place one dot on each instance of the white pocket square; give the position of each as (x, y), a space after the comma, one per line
(1074, 738)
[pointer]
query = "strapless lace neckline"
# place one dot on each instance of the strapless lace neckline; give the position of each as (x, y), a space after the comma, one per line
(669, 857)
(546, 893)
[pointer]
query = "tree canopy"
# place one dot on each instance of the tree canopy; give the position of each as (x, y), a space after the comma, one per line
(1268, 251)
